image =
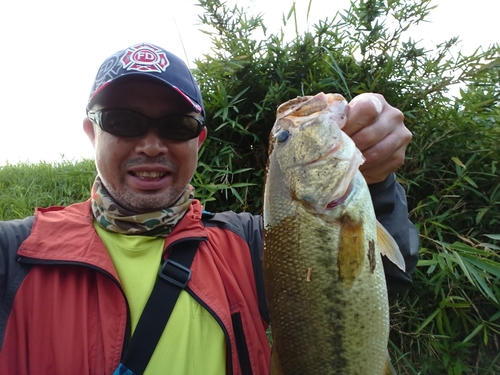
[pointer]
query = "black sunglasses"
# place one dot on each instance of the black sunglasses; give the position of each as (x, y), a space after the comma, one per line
(126, 123)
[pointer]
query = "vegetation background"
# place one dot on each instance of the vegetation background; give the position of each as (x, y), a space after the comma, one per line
(449, 323)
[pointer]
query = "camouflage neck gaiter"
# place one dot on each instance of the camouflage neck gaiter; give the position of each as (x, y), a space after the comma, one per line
(115, 218)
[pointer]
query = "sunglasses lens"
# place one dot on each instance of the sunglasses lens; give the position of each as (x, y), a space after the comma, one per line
(179, 128)
(123, 123)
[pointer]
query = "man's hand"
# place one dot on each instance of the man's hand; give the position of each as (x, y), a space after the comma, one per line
(378, 131)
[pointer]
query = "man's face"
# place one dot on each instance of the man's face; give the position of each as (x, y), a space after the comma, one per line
(148, 172)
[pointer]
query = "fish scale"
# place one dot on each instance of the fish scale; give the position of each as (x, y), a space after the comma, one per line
(323, 272)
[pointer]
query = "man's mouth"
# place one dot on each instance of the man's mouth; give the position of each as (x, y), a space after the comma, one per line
(149, 174)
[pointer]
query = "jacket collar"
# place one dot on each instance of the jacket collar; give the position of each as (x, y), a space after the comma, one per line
(67, 235)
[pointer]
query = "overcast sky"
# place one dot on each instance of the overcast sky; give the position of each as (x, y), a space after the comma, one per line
(50, 52)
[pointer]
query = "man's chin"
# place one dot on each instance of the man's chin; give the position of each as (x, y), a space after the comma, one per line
(144, 203)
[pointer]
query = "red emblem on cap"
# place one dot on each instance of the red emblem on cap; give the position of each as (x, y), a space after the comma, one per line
(145, 58)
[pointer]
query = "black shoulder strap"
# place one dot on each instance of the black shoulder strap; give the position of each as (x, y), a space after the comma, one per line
(172, 279)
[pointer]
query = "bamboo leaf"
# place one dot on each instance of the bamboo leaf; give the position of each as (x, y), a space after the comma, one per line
(469, 180)
(473, 333)
(484, 288)
(429, 319)
(458, 162)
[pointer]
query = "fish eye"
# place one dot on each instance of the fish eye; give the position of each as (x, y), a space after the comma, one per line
(282, 136)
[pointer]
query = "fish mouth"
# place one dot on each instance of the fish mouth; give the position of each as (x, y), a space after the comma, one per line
(326, 155)
(302, 106)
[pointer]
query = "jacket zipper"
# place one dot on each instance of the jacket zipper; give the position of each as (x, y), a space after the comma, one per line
(229, 359)
(241, 344)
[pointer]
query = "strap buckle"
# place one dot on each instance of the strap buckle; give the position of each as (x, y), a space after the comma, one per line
(175, 273)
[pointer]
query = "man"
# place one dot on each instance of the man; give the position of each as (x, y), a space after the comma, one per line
(74, 280)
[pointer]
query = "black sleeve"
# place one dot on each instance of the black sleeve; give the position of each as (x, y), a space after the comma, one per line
(12, 273)
(12, 234)
(391, 209)
(248, 227)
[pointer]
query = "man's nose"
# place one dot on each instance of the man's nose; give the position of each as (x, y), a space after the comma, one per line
(152, 143)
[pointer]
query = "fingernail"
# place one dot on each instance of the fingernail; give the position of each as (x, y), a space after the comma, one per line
(377, 103)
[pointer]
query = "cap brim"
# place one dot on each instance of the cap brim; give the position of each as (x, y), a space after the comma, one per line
(143, 76)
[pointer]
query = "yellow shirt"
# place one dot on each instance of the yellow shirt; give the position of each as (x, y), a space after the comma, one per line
(193, 342)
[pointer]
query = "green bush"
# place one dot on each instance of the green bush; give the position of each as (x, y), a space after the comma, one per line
(449, 323)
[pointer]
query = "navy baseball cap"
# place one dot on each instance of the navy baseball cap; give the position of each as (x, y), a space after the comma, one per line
(150, 62)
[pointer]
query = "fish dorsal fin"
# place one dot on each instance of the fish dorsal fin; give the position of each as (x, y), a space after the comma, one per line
(388, 247)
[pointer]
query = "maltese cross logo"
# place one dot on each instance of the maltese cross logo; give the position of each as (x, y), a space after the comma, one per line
(145, 58)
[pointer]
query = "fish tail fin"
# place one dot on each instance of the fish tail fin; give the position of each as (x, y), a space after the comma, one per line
(389, 247)
(388, 368)
(275, 364)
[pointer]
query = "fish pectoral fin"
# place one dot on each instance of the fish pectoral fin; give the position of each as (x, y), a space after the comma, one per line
(351, 255)
(389, 247)
(275, 364)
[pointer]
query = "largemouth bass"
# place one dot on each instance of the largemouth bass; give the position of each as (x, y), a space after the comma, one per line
(323, 271)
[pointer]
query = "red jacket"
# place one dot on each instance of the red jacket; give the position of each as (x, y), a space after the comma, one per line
(64, 311)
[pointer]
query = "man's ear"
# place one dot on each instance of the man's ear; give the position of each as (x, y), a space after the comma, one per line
(88, 128)
(202, 137)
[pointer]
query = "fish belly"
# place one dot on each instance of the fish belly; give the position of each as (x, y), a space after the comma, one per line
(323, 322)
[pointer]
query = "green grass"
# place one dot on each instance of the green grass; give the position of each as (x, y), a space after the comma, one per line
(25, 186)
